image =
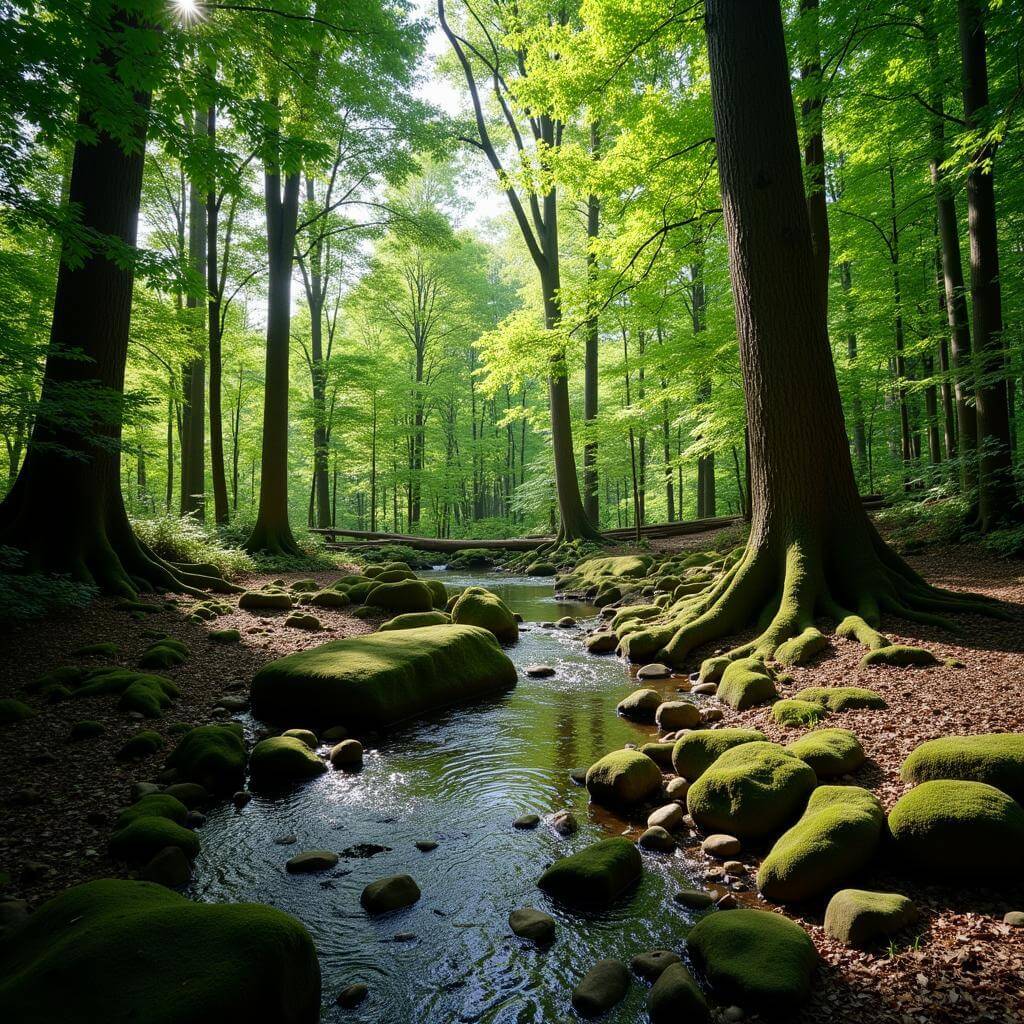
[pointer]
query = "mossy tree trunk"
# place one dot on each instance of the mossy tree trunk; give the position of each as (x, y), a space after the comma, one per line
(66, 509)
(812, 550)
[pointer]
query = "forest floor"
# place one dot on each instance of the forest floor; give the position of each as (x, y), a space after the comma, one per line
(960, 965)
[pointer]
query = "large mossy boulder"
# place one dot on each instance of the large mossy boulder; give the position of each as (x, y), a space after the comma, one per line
(747, 683)
(856, 917)
(260, 600)
(752, 790)
(212, 756)
(594, 876)
(836, 836)
(375, 680)
(592, 572)
(755, 959)
(282, 761)
(154, 805)
(829, 752)
(695, 752)
(143, 692)
(479, 607)
(623, 778)
(401, 596)
(416, 620)
(139, 841)
(119, 951)
(994, 758)
(950, 826)
(439, 593)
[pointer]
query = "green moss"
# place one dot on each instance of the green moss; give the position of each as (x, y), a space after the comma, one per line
(143, 838)
(372, 681)
(415, 620)
(953, 826)
(795, 712)
(104, 649)
(843, 698)
(623, 777)
(798, 650)
(142, 607)
(115, 950)
(541, 569)
(226, 636)
(758, 960)
(993, 758)
(594, 876)
(306, 735)
(281, 761)
(304, 586)
(751, 790)
(856, 917)
(404, 596)
(148, 694)
(640, 706)
(12, 710)
(898, 654)
(659, 753)
(479, 607)
(634, 613)
(836, 836)
(212, 756)
(695, 752)
(164, 654)
(439, 593)
(330, 599)
(85, 730)
(747, 683)
(191, 794)
(141, 745)
(829, 752)
(647, 642)
(255, 600)
(156, 805)
(591, 572)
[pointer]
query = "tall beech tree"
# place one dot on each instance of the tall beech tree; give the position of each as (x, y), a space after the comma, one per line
(66, 509)
(812, 550)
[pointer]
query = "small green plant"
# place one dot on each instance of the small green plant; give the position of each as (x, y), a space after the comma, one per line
(29, 595)
(184, 539)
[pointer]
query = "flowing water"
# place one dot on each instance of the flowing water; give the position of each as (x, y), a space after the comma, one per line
(460, 778)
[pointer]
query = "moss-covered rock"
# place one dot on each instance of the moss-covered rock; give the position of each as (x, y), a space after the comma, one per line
(391, 893)
(856, 917)
(330, 598)
(752, 790)
(479, 607)
(615, 568)
(212, 756)
(747, 683)
(602, 642)
(675, 997)
(796, 712)
(541, 569)
(258, 600)
(116, 950)
(623, 777)
(103, 649)
(306, 735)
(695, 752)
(758, 960)
(416, 620)
(141, 745)
(843, 698)
(85, 730)
(300, 620)
(601, 988)
(836, 836)
(143, 692)
(640, 706)
(595, 875)
(402, 596)
(143, 838)
(12, 710)
(659, 753)
(225, 636)
(898, 654)
(154, 805)
(993, 758)
(829, 752)
(954, 826)
(375, 680)
(164, 654)
(282, 761)
(439, 593)
(677, 714)
(191, 794)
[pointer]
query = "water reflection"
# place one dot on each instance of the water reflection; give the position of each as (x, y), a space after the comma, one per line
(460, 779)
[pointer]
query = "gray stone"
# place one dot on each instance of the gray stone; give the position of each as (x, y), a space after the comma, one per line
(677, 714)
(677, 788)
(334, 734)
(565, 823)
(286, 840)
(600, 988)
(526, 821)
(669, 817)
(719, 845)
(141, 789)
(311, 860)
(566, 622)
(656, 838)
(539, 671)
(708, 689)
(654, 671)
(352, 995)
(696, 899)
(532, 924)
(649, 965)
(391, 893)
(602, 643)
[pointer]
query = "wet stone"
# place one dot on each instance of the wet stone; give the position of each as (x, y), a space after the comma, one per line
(526, 821)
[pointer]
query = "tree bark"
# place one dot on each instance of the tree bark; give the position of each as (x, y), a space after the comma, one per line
(272, 532)
(814, 143)
(997, 492)
(590, 350)
(66, 510)
(812, 549)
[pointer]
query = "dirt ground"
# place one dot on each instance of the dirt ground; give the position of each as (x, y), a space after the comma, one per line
(959, 965)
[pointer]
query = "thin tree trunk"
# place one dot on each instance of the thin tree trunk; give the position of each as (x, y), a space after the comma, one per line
(591, 347)
(213, 286)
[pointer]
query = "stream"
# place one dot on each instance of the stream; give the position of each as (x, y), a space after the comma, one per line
(460, 778)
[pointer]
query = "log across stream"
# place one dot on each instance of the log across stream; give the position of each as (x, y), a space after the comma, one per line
(460, 779)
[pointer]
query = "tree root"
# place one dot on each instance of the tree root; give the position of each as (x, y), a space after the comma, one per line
(786, 593)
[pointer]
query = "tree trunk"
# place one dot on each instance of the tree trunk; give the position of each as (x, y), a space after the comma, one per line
(590, 352)
(213, 287)
(997, 493)
(66, 510)
(272, 532)
(814, 144)
(812, 549)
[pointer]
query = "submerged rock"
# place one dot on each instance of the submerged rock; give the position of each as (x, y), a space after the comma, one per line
(529, 923)
(595, 875)
(283, 760)
(311, 860)
(352, 995)
(675, 997)
(651, 964)
(623, 777)
(391, 893)
(600, 988)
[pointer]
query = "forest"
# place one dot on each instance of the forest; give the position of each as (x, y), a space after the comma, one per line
(557, 465)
